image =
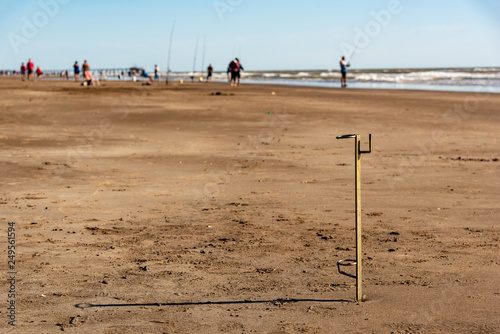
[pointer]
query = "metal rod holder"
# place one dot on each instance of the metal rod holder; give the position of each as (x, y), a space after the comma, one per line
(357, 179)
(347, 262)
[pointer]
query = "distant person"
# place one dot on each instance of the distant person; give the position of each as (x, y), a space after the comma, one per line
(157, 72)
(86, 73)
(343, 72)
(76, 69)
(31, 70)
(232, 65)
(145, 74)
(39, 72)
(85, 66)
(235, 68)
(23, 71)
(210, 71)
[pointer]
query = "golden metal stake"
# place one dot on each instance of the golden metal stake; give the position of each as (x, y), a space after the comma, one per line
(357, 193)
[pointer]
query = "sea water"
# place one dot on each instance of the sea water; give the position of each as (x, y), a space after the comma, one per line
(449, 79)
(439, 79)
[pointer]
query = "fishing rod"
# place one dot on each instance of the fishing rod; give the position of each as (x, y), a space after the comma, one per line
(194, 61)
(169, 50)
(352, 54)
(203, 58)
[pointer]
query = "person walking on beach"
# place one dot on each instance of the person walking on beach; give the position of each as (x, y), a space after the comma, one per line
(343, 72)
(23, 72)
(76, 69)
(31, 69)
(235, 68)
(210, 71)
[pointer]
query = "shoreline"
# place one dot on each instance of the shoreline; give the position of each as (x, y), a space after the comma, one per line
(468, 89)
(427, 79)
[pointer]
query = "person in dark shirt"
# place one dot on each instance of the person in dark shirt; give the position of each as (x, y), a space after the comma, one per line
(76, 69)
(234, 69)
(210, 71)
(343, 72)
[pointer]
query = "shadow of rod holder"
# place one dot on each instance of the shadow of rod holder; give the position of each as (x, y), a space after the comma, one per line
(357, 178)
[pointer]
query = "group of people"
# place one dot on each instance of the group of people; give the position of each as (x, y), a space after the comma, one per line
(233, 72)
(86, 72)
(89, 79)
(234, 69)
(28, 71)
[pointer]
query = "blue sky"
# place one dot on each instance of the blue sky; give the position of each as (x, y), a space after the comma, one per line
(266, 35)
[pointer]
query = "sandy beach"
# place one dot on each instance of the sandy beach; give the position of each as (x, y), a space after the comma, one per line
(205, 208)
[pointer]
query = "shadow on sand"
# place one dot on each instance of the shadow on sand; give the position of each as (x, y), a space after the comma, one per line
(279, 301)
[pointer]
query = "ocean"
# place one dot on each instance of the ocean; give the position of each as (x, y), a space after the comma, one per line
(443, 79)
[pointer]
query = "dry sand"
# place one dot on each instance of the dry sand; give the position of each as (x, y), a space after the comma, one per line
(144, 204)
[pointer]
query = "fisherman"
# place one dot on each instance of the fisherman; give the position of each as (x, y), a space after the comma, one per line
(343, 72)
(210, 71)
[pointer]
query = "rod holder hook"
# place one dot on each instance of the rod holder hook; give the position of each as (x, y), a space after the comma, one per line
(356, 136)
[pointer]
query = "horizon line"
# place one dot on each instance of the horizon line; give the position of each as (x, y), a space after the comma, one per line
(283, 70)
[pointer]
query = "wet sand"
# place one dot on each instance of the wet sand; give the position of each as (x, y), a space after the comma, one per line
(204, 208)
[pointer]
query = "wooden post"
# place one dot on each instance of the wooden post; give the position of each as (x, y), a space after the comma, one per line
(357, 194)
(359, 254)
